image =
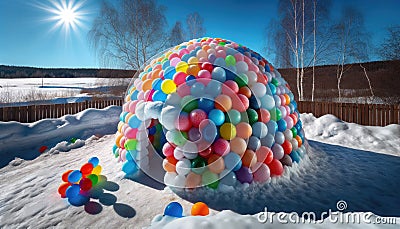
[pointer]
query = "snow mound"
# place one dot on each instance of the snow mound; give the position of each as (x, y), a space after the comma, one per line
(330, 129)
(23, 140)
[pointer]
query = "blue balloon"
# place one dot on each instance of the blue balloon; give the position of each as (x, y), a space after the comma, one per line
(254, 143)
(152, 130)
(74, 176)
(159, 96)
(232, 161)
(115, 149)
(211, 58)
(206, 104)
(94, 161)
(282, 125)
(229, 179)
(134, 95)
(134, 122)
(272, 127)
(122, 116)
(129, 167)
(209, 132)
(267, 69)
(268, 140)
(213, 88)
(72, 190)
(295, 156)
(169, 72)
(197, 89)
(156, 84)
(174, 209)
(218, 74)
(78, 200)
(260, 130)
(217, 116)
(131, 155)
(220, 62)
(190, 80)
(267, 102)
(273, 88)
(165, 64)
(185, 57)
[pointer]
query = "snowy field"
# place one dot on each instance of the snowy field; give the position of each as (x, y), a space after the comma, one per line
(30, 89)
(357, 164)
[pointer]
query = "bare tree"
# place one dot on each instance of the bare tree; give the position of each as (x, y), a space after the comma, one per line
(195, 25)
(177, 35)
(352, 43)
(314, 47)
(129, 33)
(390, 49)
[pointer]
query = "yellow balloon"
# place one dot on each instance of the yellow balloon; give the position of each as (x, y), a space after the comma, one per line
(228, 131)
(193, 60)
(97, 170)
(182, 66)
(168, 86)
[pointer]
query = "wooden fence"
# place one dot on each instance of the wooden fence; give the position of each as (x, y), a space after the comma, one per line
(34, 113)
(364, 114)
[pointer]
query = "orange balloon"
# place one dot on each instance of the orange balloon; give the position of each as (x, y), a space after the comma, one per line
(147, 84)
(169, 164)
(245, 91)
(238, 145)
(300, 142)
(243, 130)
(249, 158)
(118, 139)
(156, 74)
(63, 188)
(287, 98)
(193, 69)
(200, 209)
(223, 103)
(215, 164)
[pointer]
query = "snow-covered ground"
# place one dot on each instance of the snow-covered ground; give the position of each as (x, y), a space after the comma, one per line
(30, 89)
(357, 164)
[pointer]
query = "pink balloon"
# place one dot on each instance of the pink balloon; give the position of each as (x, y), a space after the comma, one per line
(173, 55)
(204, 74)
(289, 122)
(262, 174)
(130, 133)
(175, 61)
(122, 142)
(239, 57)
(221, 147)
(183, 90)
(132, 106)
(283, 100)
(179, 78)
(183, 52)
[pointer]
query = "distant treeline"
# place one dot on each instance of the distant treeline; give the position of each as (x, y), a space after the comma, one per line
(30, 72)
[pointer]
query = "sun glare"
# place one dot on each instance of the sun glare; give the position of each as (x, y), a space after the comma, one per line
(67, 15)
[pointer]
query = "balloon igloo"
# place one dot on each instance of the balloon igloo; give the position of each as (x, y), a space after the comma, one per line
(211, 112)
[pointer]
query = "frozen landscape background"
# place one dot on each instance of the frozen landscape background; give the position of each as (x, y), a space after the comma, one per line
(350, 162)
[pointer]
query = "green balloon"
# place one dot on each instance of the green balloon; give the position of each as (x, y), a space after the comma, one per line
(275, 82)
(214, 185)
(94, 178)
(294, 132)
(208, 178)
(233, 116)
(230, 60)
(179, 138)
(221, 43)
(276, 114)
(252, 115)
(199, 165)
(73, 140)
(189, 103)
(131, 144)
(242, 80)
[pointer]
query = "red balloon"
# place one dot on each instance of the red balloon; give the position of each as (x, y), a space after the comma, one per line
(206, 153)
(87, 168)
(183, 122)
(207, 66)
(63, 188)
(42, 149)
(168, 149)
(287, 147)
(65, 175)
(275, 167)
(85, 184)
(196, 116)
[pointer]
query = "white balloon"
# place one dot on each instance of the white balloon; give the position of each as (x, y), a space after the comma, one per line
(183, 166)
(259, 90)
(279, 137)
(180, 181)
(252, 77)
(295, 144)
(278, 151)
(168, 116)
(288, 134)
(178, 154)
(242, 67)
(169, 178)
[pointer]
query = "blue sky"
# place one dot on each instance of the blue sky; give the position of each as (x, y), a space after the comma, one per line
(27, 37)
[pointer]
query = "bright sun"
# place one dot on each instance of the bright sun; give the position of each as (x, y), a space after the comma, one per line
(67, 14)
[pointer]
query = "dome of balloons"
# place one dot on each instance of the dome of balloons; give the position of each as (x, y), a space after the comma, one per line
(215, 111)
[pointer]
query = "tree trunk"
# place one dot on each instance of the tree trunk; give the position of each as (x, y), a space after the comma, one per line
(315, 50)
(369, 81)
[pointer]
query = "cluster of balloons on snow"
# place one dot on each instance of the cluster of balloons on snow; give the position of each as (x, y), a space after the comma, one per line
(216, 111)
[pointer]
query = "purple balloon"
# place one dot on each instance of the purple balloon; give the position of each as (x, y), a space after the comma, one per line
(244, 175)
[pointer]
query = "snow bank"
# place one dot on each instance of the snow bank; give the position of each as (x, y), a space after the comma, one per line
(23, 140)
(330, 129)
